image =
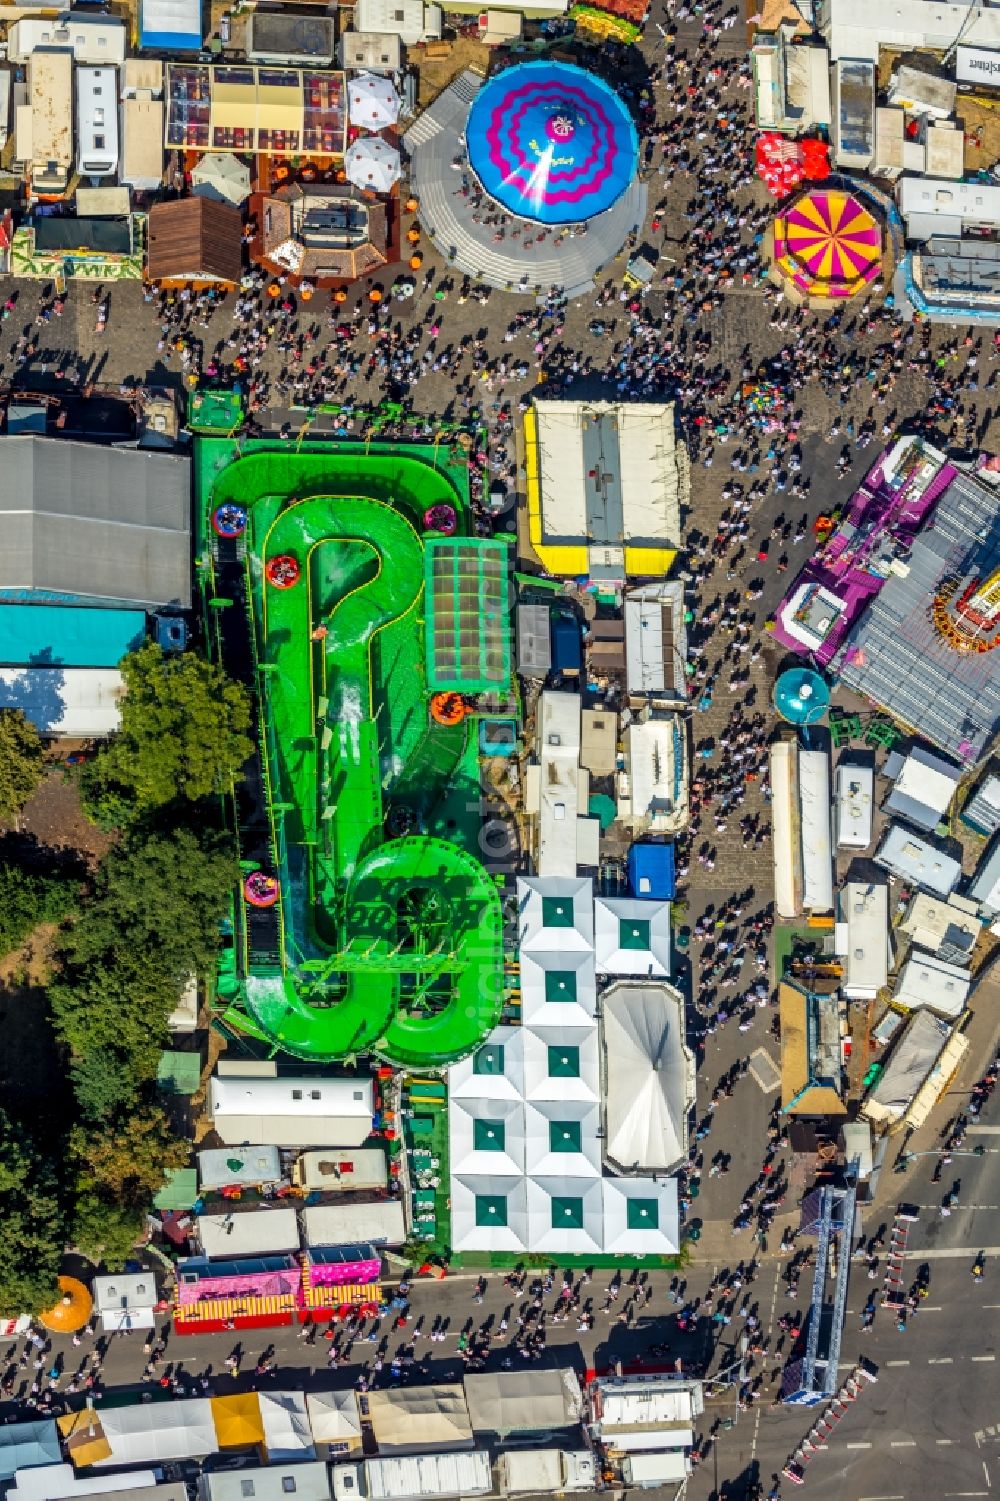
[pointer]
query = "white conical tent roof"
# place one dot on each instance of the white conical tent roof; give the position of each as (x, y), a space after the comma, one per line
(372, 101)
(558, 989)
(489, 1214)
(373, 164)
(649, 1074)
(632, 937)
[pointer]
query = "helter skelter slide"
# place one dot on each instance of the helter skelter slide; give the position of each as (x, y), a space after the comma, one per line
(389, 928)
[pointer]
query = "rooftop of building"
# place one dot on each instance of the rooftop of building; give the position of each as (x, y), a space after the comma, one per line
(811, 1070)
(905, 658)
(852, 566)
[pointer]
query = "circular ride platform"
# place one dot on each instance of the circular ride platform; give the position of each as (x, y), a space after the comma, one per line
(522, 235)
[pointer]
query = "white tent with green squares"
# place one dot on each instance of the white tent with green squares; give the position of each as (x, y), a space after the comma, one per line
(528, 1155)
(632, 938)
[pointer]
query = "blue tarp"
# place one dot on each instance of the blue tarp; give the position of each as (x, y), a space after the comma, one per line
(567, 646)
(26, 1445)
(651, 871)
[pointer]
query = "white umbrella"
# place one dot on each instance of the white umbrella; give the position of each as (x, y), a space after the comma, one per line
(221, 176)
(372, 163)
(373, 101)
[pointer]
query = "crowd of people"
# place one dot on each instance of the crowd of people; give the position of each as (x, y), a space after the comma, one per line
(849, 374)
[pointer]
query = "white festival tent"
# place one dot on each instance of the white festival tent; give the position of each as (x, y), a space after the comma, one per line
(488, 1213)
(25, 1445)
(632, 937)
(287, 1434)
(562, 1139)
(525, 1401)
(373, 164)
(558, 989)
(420, 1418)
(144, 1435)
(650, 1077)
(487, 1137)
(556, 913)
(566, 1215)
(641, 1217)
(221, 176)
(334, 1417)
(372, 101)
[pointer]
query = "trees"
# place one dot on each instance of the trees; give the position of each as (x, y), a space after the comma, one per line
(21, 761)
(28, 898)
(105, 1231)
(120, 1164)
(148, 920)
(31, 1245)
(116, 1005)
(127, 1159)
(183, 737)
(104, 1081)
(153, 921)
(162, 894)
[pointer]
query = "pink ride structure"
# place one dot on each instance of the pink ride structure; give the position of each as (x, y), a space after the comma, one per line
(312, 1287)
(883, 516)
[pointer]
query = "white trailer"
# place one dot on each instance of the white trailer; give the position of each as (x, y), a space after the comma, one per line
(854, 806)
(97, 121)
(545, 1471)
(654, 1468)
(786, 838)
(414, 1477)
(814, 826)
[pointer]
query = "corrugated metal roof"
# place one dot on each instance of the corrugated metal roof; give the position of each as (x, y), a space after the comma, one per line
(194, 239)
(96, 522)
(985, 889)
(895, 656)
(656, 639)
(982, 810)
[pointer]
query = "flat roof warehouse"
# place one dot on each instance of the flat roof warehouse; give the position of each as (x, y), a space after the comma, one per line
(94, 522)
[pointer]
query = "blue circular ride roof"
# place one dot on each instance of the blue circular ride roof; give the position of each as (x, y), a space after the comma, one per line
(551, 142)
(801, 696)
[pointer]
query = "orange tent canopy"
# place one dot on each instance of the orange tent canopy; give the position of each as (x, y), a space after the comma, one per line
(73, 1309)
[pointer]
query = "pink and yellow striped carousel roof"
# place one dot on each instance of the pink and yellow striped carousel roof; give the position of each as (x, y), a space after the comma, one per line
(828, 244)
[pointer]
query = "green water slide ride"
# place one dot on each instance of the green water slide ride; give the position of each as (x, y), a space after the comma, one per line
(391, 944)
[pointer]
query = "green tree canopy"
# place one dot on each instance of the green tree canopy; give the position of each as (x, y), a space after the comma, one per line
(29, 898)
(31, 1245)
(183, 737)
(128, 1158)
(153, 921)
(162, 895)
(105, 1231)
(105, 1080)
(116, 1007)
(21, 763)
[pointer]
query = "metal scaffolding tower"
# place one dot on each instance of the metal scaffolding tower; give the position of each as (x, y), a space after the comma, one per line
(831, 1219)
